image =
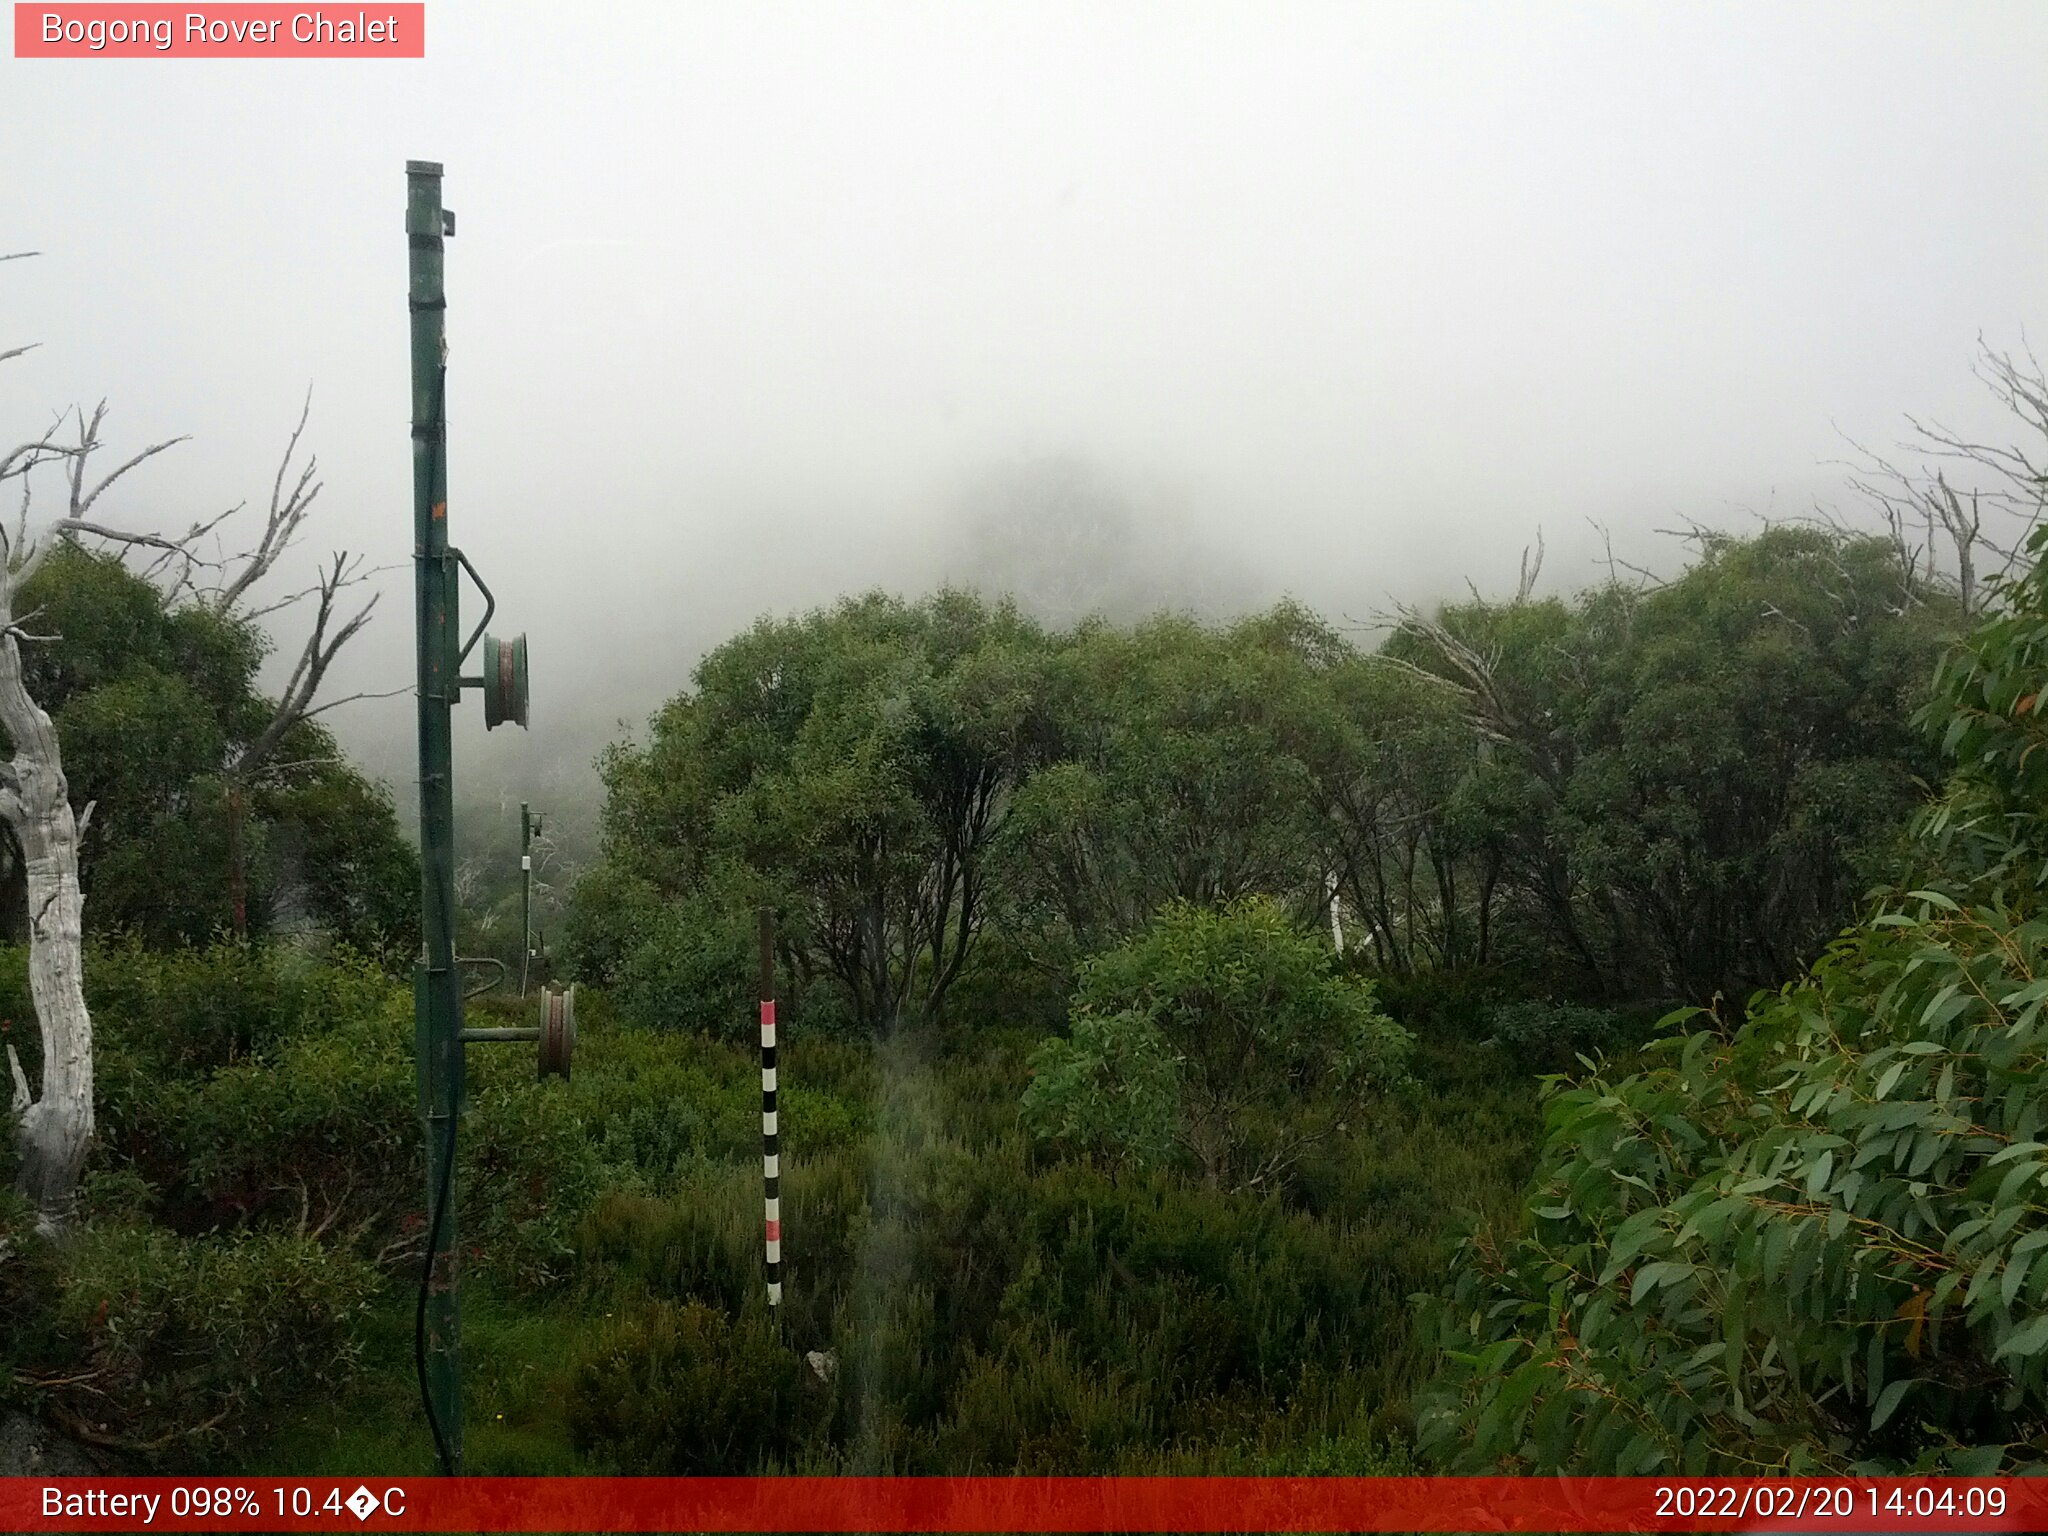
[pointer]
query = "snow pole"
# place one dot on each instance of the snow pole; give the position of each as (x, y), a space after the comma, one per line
(771, 1151)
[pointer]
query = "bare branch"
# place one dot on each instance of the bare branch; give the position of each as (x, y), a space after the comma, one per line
(295, 703)
(72, 526)
(387, 693)
(88, 440)
(23, 457)
(1924, 508)
(1530, 569)
(357, 575)
(281, 525)
(1646, 580)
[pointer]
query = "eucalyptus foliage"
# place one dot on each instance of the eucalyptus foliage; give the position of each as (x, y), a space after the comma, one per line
(1817, 1238)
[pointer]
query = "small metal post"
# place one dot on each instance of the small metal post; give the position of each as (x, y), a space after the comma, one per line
(771, 1145)
(529, 824)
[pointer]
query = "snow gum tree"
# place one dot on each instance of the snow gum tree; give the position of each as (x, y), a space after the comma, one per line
(54, 1116)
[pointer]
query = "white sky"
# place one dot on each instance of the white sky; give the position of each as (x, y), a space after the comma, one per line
(743, 294)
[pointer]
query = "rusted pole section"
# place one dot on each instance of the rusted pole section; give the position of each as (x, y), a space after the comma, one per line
(771, 1141)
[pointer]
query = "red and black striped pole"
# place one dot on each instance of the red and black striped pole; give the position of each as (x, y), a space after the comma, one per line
(771, 1154)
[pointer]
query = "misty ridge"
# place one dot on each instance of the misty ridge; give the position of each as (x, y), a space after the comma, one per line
(1068, 539)
(1060, 537)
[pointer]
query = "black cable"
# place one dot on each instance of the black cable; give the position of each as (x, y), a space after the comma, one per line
(447, 1184)
(419, 1323)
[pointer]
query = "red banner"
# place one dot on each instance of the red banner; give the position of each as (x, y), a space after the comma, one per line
(1023, 1504)
(374, 31)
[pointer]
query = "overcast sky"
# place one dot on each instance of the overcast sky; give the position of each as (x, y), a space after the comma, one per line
(744, 295)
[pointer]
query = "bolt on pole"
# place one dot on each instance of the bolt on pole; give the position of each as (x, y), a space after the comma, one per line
(436, 984)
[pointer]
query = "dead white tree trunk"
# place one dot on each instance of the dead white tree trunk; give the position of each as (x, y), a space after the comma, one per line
(53, 1123)
(54, 1126)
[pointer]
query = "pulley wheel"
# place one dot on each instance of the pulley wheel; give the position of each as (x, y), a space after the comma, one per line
(504, 681)
(557, 1032)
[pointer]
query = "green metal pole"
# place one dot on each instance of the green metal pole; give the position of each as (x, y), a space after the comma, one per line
(436, 987)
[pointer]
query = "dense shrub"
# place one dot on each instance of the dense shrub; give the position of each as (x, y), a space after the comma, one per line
(322, 1129)
(703, 1241)
(654, 1101)
(1225, 1037)
(704, 1246)
(184, 1344)
(529, 1167)
(1448, 1004)
(29, 1274)
(1037, 1406)
(182, 1012)
(1213, 1292)
(988, 1313)
(1551, 1037)
(256, 1087)
(684, 1391)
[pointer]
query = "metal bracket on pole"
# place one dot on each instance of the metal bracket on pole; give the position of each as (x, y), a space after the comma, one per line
(490, 607)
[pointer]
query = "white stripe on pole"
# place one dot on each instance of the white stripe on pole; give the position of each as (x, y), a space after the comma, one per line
(771, 1146)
